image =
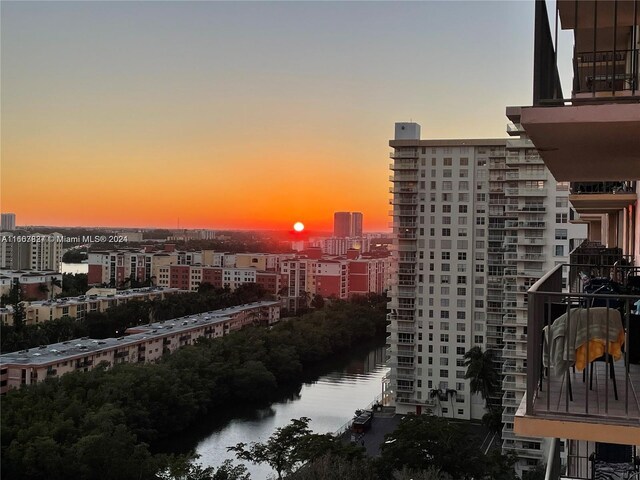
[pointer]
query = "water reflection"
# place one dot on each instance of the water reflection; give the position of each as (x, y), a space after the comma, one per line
(329, 402)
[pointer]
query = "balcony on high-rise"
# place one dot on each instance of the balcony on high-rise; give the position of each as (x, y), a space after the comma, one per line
(583, 357)
(592, 134)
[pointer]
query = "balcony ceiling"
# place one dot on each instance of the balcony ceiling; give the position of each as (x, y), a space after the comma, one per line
(601, 203)
(586, 10)
(587, 142)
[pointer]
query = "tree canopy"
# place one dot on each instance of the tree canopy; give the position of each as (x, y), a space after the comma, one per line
(105, 423)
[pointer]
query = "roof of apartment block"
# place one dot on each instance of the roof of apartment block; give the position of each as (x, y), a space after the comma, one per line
(81, 347)
(135, 292)
(450, 142)
(18, 273)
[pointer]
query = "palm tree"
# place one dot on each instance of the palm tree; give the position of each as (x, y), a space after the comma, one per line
(55, 282)
(43, 288)
(450, 393)
(481, 369)
(304, 298)
(438, 394)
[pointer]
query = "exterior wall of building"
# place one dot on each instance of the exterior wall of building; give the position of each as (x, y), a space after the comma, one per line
(46, 251)
(537, 235)
(234, 277)
(179, 276)
(342, 224)
(8, 222)
(259, 261)
(213, 276)
(359, 279)
(270, 281)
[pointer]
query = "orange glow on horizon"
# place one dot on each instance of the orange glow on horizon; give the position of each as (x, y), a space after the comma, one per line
(145, 187)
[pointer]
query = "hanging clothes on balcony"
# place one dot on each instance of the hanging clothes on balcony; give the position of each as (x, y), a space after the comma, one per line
(566, 343)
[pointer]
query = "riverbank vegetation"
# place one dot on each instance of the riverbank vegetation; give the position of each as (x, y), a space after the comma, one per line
(103, 424)
(423, 447)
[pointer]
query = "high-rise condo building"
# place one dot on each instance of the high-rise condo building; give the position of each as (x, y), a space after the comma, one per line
(342, 224)
(8, 222)
(356, 224)
(476, 223)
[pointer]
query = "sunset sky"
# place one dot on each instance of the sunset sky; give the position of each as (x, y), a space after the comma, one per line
(240, 115)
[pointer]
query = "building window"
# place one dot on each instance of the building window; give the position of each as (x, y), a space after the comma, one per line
(561, 218)
(561, 233)
(559, 251)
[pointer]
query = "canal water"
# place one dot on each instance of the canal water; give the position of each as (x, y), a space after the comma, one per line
(329, 402)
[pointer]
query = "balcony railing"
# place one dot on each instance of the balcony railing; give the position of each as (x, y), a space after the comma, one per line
(407, 153)
(582, 327)
(585, 188)
(598, 75)
(613, 71)
(403, 165)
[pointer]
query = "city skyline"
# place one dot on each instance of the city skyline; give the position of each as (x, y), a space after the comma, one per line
(239, 116)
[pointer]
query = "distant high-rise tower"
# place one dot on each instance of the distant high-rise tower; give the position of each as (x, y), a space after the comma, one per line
(342, 224)
(8, 222)
(356, 224)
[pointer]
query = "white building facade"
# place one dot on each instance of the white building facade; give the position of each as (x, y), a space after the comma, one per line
(475, 222)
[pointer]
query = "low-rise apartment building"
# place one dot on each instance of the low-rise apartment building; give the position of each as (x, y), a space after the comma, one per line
(33, 284)
(77, 307)
(142, 344)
